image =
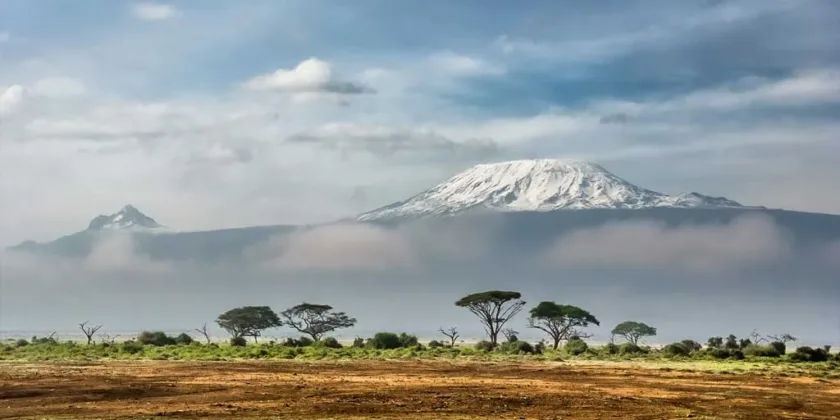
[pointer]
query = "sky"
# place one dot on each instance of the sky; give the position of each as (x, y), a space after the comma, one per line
(212, 114)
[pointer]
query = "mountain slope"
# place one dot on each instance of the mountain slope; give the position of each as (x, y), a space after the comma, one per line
(537, 185)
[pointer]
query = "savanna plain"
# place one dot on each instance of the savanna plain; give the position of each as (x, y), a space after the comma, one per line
(270, 380)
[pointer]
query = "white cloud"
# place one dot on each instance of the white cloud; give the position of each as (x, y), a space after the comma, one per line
(464, 65)
(58, 87)
(747, 240)
(338, 247)
(220, 154)
(10, 99)
(310, 75)
(154, 11)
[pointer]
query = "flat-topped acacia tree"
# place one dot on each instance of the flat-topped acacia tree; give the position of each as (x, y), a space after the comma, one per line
(494, 309)
(316, 320)
(560, 322)
(248, 321)
(632, 331)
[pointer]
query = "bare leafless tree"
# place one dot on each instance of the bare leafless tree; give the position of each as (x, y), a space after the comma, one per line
(203, 331)
(757, 338)
(89, 332)
(451, 333)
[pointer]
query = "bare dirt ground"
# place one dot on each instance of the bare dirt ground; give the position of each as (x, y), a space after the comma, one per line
(403, 390)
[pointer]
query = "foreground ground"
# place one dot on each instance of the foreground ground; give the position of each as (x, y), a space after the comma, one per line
(406, 390)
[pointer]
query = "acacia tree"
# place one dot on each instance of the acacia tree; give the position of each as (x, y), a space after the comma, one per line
(316, 320)
(632, 331)
(248, 321)
(494, 309)
(560, 322)
(452, 334)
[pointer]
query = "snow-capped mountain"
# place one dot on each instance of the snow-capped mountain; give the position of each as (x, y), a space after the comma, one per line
(127, 219)
(537, 185)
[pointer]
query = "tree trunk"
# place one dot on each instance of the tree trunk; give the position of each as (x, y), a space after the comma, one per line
(556, 342)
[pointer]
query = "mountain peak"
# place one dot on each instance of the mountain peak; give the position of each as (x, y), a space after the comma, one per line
(127, 218)
(537, 185)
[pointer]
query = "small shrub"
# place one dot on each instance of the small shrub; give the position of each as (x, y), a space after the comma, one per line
(718, 353)
(330, 343)
(434, 344)
(386, 341)
(184, 339)
(677, 349)
(21, 343)
(238, 342)
(692, 345)
(298, 342)
(131, 347)
(484, 345)
(610, 349)
(630, 349)
(575, 347)
(408, 340)
(737, 354)
(761, 351)
(540, 347)
(358, 342)
(517, 347)
(779, 346)
(44, 340)
(808, 354)
(155, 338)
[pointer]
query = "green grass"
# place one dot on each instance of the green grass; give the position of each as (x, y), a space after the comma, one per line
(698, 362)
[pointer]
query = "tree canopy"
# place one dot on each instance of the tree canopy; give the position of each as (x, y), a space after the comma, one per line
(632, 331)
(316, 320)
(248, 321)
(560, 322)
(493, 308)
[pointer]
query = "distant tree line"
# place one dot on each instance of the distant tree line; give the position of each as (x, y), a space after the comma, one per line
(494, 310)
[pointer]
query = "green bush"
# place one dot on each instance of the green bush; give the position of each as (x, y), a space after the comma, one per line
(540, 347)
(630, 349)
(155, 338)
(330, 343)
(238, 342)
(737, 354)
(184, 339)
(761, 351)
(434, 344)
(484, 345)
(44, 340)
(718, 353)
(517, 347)
(386, 341)
(610, 348)
(808, 354)
(692, 345)
(575, 347)
(131, 347)
(358, 342)
(677, 349)
(408, 340)
(298, 342)
(21, 343)
(779, 346)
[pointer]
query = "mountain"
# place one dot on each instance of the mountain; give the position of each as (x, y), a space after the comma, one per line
(524, 205)
(537, 185)
(128, 218)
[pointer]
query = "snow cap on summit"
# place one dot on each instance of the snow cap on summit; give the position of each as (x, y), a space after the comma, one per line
(128, 218)
(537, 185)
